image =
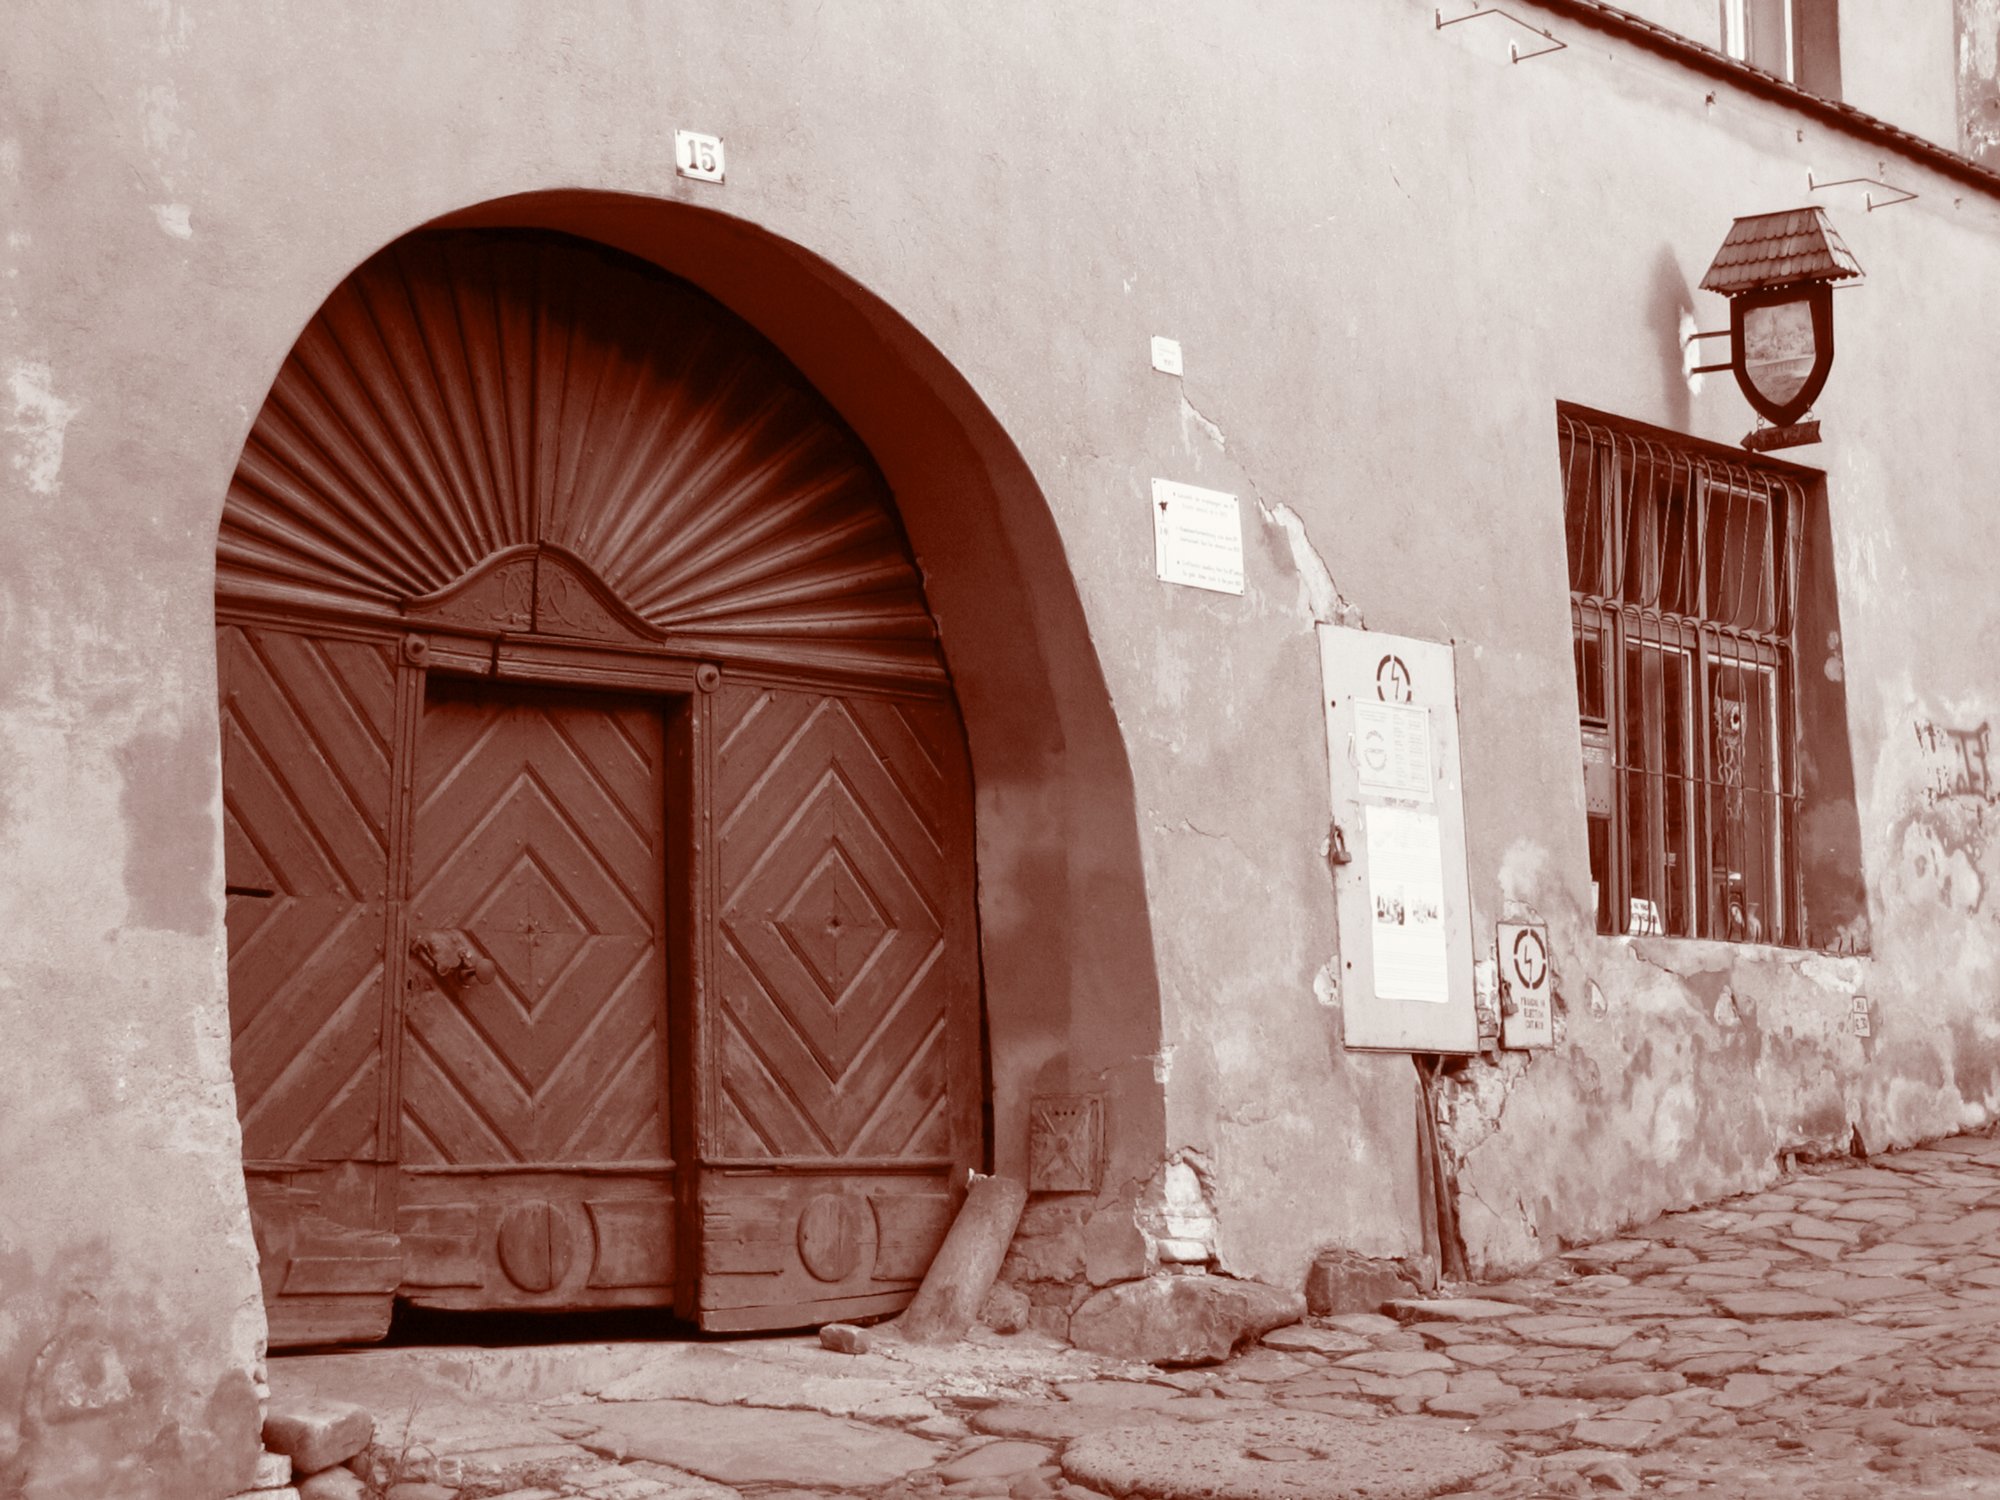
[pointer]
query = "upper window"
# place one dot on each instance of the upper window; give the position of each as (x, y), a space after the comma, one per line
(1799, 40)
(1683, 571)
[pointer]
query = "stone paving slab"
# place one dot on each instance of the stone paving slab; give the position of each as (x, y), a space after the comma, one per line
(1833, 1337)
(739, 1445)
(1283, 1457)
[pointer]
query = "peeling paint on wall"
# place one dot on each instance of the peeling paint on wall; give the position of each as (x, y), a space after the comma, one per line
(82, 1408)
(1979, 80)
(1942, 854)
(163, 129)
(173, 219)
(40, 419)
(1176, 1212)
(1320, 598)
(1193, 421)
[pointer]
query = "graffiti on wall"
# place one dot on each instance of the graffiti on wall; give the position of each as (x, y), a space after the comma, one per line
(1944, 857)
(1958, 762)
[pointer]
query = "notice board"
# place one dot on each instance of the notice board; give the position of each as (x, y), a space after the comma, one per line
(1402, 900)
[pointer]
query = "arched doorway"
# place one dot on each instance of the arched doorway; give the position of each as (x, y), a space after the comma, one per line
(598, 821)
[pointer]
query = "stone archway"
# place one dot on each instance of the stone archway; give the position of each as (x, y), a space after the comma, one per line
(598, 824)
(1072, 996)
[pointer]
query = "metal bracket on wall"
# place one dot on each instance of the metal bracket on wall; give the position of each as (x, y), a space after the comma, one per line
(1903, 195)
(1727, 364)
(1514, 51)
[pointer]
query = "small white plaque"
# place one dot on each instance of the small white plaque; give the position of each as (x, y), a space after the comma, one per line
(698, 156)
(1166, 355)
(1197, 537)
(1526, 1018)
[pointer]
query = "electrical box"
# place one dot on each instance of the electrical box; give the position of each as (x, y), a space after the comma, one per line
(1401, 895)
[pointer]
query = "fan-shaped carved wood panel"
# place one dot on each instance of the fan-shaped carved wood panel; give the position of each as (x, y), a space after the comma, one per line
(462, 394)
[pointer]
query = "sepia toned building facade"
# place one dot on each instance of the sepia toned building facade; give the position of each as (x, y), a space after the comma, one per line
(576, 735)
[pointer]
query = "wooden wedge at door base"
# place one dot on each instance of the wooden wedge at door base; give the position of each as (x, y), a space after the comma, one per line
(962, 1274)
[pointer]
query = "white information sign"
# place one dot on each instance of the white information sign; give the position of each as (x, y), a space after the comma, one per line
(1166, 355)
(1197, 537)
(1406, 900)
(1397, 846)
(1392, 749)
(698, 156)
(1526, 1016)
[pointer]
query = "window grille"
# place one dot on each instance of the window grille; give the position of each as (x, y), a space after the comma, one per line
(1683, 572)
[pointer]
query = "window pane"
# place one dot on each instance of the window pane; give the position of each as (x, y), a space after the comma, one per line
(1740, 589)
(1584, 517)
(1640, 494)
(1746, 803)
(1766, 42)
(1590, 694)
(1680, 545)
(1658, 791)
(1600, 874)
(1816, 46)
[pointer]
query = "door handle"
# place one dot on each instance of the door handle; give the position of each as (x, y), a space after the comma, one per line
(452, 959)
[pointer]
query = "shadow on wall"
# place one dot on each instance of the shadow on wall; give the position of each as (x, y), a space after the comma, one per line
(1668, 313)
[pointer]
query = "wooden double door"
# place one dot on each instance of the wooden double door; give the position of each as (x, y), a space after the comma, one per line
(574, 996)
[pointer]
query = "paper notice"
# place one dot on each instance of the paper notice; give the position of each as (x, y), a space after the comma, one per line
(1197, 537)
(1406, 897)
(1392, 747)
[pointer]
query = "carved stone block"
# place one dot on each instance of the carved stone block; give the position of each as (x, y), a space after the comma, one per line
(1065, 1143)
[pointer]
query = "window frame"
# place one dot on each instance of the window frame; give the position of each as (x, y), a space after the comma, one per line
(1717, 865)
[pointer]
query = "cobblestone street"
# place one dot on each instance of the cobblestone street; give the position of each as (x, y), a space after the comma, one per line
(1837, 1335)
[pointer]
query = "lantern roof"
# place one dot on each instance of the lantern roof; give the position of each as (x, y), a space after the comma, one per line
(1772, 250)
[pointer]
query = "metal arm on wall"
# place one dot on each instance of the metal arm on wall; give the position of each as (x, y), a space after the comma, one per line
(1903, 195)
(1514, 51)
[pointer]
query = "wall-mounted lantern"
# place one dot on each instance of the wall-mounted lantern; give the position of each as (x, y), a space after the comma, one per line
(1778, 271)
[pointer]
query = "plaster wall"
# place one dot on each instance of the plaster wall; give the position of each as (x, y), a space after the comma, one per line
(1381, 289)
(130, 1327)
(1697, 20)
(1898, 62)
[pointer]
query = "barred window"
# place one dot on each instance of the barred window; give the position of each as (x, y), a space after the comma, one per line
(1684, 587)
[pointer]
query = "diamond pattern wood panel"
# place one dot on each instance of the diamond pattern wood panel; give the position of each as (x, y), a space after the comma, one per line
(539, 837)
(835, 979)
(306, 734)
